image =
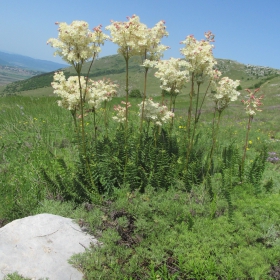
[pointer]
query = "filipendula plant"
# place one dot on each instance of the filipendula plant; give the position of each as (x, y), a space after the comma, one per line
(252, 105)
(76, 44)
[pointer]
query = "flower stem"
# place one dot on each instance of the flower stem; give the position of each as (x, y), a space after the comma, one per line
(190, 108)
(215, 129)
(246, 146)
(144, 98)
(126, 91)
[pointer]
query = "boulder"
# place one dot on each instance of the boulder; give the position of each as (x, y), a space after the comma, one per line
(39, 247)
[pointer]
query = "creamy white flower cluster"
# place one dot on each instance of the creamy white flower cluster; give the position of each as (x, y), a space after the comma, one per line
(224, 92)
(173, 74)
(155, 112)
(68, 90)
(253, 103)
(127, 35)
(120, 116)
(151, 43)
(76, 43)
(135, 38)
(100, 91)
(199, 54)
(95, 92)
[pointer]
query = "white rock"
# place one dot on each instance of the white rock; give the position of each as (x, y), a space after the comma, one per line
(39, 247)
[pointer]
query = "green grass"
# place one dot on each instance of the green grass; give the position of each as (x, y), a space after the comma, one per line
(165, 234)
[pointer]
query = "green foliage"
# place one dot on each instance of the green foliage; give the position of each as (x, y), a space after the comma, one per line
(135, 93)
(256, 170)
(197, 166)
(148, 239)
(269, 185)
(67, 186)
(16, 276)
(230, 174)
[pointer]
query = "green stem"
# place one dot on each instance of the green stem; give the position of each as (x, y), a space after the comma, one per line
(83, 128)
(82, 114)
(173, 101)
(199, 111)
(162, 97)
(144, 98)
(190, 107)
(95, 128)
(106, 118)
(246, 145)
(155, 134)
(126, 90)
(191, 137)
(87, 76)
(196, 105)
(73, 113)
(215, 129)
(126, 57)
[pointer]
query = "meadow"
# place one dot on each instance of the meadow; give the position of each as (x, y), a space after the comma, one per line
(159, 234)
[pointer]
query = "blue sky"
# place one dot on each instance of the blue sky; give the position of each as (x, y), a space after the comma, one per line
(247, 31)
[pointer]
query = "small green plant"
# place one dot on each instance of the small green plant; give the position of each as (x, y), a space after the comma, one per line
(135, 93)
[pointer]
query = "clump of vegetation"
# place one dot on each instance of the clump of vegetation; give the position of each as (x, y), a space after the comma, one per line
(135, 93)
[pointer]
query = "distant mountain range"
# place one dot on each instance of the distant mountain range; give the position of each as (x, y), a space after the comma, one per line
(28, 63)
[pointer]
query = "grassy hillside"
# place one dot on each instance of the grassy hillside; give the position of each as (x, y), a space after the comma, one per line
(113, 67)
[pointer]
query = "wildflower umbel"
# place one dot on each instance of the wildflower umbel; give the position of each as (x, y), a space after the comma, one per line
(100, 91)
(127, 35)
(150, 45)
(224, 92)
(95, 92)
(68, 90)
(120, 112)
(173, 74)
(76, 43)
(199, 54)
(253, 103)
(155, 112)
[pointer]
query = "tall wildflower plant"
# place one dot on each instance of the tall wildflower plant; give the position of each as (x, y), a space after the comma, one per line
(201, 62)
(252, 105)
(173, 75)
(151, 51)
(135, 38)
(223, 92)
(127, 35)
(76, 44)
